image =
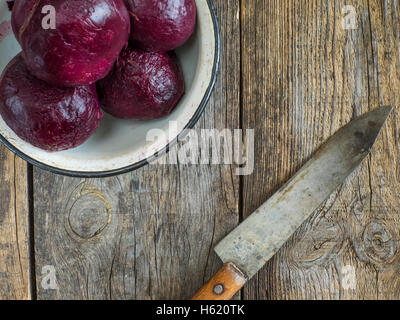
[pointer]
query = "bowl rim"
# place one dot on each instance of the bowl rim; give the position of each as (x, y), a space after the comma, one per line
(144, 162)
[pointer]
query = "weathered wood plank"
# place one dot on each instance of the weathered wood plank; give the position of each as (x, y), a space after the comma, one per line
(305, 76)
(147, 234)
(14, 228)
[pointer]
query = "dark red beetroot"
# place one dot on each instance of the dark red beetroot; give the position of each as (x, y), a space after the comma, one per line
(143, 85)
(20, 11)
(88, 38)
(161, 25)
(48, 117)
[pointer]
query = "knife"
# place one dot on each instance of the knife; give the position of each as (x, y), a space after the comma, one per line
(247, 249)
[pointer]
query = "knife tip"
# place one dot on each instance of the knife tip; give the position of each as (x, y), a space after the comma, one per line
(386, 111)
(378, 117)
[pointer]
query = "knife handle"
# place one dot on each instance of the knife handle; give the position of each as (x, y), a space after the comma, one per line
(224, 285)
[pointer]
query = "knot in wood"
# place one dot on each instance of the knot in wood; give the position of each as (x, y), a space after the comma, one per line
(317, 247)
(88, 215)
(379, 245)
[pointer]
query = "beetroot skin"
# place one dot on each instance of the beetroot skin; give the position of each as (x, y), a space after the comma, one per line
(161, 25)
(21, 9)
(48, 117)
(143, 85)
(88, 38)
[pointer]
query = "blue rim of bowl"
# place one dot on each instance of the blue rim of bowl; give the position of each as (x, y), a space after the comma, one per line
(144, 162)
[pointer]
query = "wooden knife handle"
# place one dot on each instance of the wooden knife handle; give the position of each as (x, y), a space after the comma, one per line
(224, 285)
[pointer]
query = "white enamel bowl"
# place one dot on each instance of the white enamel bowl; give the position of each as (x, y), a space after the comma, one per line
(120, 146)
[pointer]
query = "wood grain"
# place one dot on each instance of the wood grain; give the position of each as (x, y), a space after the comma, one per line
(148, 234)
(14, 228)
(304, 77)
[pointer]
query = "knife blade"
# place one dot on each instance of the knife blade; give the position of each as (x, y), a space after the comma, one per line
(255, 241)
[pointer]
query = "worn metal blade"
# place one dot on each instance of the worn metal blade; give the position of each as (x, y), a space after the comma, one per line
(260, 236)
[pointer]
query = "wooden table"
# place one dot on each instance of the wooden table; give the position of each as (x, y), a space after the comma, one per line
(291, 71)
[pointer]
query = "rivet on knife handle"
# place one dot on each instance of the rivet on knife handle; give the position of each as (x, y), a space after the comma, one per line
(224, 285)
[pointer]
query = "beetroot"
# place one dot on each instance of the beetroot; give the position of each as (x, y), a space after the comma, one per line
(48, 117)
(21, 9)
(143, 85)
(161, 25)
(82, 49)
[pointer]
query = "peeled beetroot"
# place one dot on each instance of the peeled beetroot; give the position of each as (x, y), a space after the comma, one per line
(20, 12)
(82, 49)
(161, 25)
(143, 85)
(48, 117)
